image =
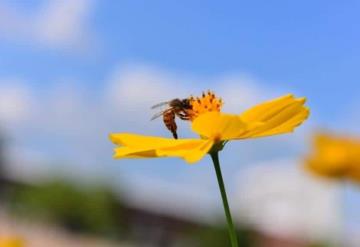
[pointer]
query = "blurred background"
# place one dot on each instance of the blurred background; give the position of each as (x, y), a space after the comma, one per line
(72, 71)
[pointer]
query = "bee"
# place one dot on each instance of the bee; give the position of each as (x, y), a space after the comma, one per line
(176, 107)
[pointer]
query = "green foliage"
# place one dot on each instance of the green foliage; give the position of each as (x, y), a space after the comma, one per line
(91, 209)
(213, 236)
(218, 236)
(320, 245)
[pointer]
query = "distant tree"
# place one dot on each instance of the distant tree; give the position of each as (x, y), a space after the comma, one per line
(3, 182)
(78, 208)
(2, 160)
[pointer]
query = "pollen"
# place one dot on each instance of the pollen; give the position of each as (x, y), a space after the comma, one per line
(208, 102)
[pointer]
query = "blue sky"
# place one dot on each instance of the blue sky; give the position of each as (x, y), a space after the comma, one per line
(309, 46)
(70, 64)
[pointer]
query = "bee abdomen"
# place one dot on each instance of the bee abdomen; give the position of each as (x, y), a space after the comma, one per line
(169, 121)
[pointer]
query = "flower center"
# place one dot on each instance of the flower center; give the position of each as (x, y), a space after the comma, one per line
(208, 102)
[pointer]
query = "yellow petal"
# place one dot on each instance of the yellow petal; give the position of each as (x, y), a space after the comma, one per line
(330, 169)
(335, 157)
(218, 126)
(275, 117)
(138, 146)
(135, 140)
(11, 242)
(128, 152)
(266, 110)
(354, 175)
(192, 151)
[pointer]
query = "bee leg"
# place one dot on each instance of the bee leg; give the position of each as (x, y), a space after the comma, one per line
(183, 116)
(173, 129)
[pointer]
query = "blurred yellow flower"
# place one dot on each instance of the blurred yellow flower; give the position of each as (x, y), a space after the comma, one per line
(274, 117)
(335, 157)
(11, 242)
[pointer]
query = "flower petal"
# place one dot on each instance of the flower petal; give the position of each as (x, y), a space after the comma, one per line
(219, 126)
(138, 146)
(274, 117)
(128, 152)
(335, 157)
(192, 151)
(265, 110)
(135, 140)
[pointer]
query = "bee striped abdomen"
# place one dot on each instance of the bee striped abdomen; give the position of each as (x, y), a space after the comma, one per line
(169, 121)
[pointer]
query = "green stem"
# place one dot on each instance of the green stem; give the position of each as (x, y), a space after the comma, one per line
(232, 232)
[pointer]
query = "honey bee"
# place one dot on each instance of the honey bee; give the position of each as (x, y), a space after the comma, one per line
(176, 107)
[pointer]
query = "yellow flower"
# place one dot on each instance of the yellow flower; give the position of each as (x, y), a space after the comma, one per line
(335, 157)
(207, 103)
(11, 242)
(274, 117)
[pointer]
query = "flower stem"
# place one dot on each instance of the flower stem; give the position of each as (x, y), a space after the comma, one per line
(232, 232)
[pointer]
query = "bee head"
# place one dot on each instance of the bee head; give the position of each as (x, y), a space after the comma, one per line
(180, 104)
(185, 103)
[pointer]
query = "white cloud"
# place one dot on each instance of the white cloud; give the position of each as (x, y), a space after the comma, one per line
(141, 86)
(55, 24)
(14, 101)
(167, 198)
(242, 91)
(279, 198)
(26, 164)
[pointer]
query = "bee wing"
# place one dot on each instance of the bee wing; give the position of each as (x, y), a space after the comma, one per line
(160, 104)
(159, 114)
